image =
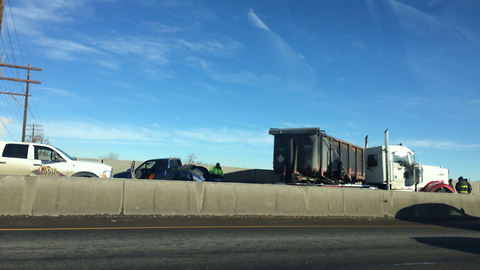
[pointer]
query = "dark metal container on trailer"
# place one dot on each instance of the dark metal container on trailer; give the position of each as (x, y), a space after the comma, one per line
(301, 153)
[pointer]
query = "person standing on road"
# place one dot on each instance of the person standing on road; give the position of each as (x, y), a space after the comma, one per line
(463, 186)
(217, 173)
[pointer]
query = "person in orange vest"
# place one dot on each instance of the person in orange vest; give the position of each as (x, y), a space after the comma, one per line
(217, 173)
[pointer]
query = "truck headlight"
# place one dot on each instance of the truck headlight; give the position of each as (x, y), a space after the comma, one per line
(106, 174)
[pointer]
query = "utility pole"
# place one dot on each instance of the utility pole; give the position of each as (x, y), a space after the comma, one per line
(28, 81)
(26, 95)
(36, 134)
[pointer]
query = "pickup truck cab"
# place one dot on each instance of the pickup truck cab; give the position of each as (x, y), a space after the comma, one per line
(21, 158)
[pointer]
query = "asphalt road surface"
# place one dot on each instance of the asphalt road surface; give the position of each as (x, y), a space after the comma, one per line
(237, 243)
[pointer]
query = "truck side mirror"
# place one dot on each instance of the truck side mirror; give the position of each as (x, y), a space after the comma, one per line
(132, 170)
(56, 157)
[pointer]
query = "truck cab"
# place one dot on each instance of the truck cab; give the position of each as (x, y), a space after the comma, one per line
(394, 167)
(400, 170)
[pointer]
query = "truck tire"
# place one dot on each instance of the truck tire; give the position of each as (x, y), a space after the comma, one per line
(84, 174)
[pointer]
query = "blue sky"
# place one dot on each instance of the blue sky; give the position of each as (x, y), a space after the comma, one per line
(149, 79)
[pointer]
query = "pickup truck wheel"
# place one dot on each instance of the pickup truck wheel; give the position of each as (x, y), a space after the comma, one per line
(84, 174)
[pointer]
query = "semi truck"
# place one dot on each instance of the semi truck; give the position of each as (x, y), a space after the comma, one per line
(310, 156)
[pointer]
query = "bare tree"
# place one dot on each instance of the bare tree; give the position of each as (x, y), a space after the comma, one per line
(191, 158)
(40, 139)
(110, 155)
(36, 135)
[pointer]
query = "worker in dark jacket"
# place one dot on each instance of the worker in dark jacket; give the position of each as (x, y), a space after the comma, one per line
(450, 182)
(463, 186)
(217, 173)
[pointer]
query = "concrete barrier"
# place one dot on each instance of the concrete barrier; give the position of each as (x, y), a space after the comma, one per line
(12, 195)
(365, 202)
(147, 197)
(56, 196)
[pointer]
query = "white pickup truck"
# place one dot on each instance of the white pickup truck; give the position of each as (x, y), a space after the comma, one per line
(18, 158)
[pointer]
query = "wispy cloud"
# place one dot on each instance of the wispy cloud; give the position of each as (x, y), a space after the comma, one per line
(60, 92)
(415, 101)
(113, 64)
(154, 134)
(65, 49)
(227, 136)
(41, 21)
(129, 45)
(52, 10)
(358, 45)
(443, 145)
(101, 132)
(161, 28)
(474, 101)
(243, 77)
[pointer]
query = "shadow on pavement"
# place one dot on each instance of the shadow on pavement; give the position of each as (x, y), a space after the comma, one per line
(464, 244)
(433, 210)
(439, 214)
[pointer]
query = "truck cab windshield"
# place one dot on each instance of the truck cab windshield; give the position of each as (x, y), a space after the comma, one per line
(402, 157)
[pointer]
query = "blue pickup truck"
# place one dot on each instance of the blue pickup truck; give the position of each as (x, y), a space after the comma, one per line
(166, 169)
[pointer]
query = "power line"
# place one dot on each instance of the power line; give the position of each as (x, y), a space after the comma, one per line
(7, 129)
(13, 72)
(35, 111)
(15, 29)
(13, 110)
(26, 95)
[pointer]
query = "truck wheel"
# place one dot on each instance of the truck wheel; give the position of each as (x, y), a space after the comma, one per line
(84, 174)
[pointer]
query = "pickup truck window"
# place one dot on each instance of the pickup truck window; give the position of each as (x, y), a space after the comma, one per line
(47, 154)
(146, 170)
(15, 151)
(175, 163)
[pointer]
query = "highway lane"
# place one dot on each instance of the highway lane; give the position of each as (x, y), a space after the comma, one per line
(237, 243)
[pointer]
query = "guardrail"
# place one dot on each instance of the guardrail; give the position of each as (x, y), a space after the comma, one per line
(58, 196)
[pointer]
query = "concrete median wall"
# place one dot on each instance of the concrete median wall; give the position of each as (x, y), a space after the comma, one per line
(58, 196)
